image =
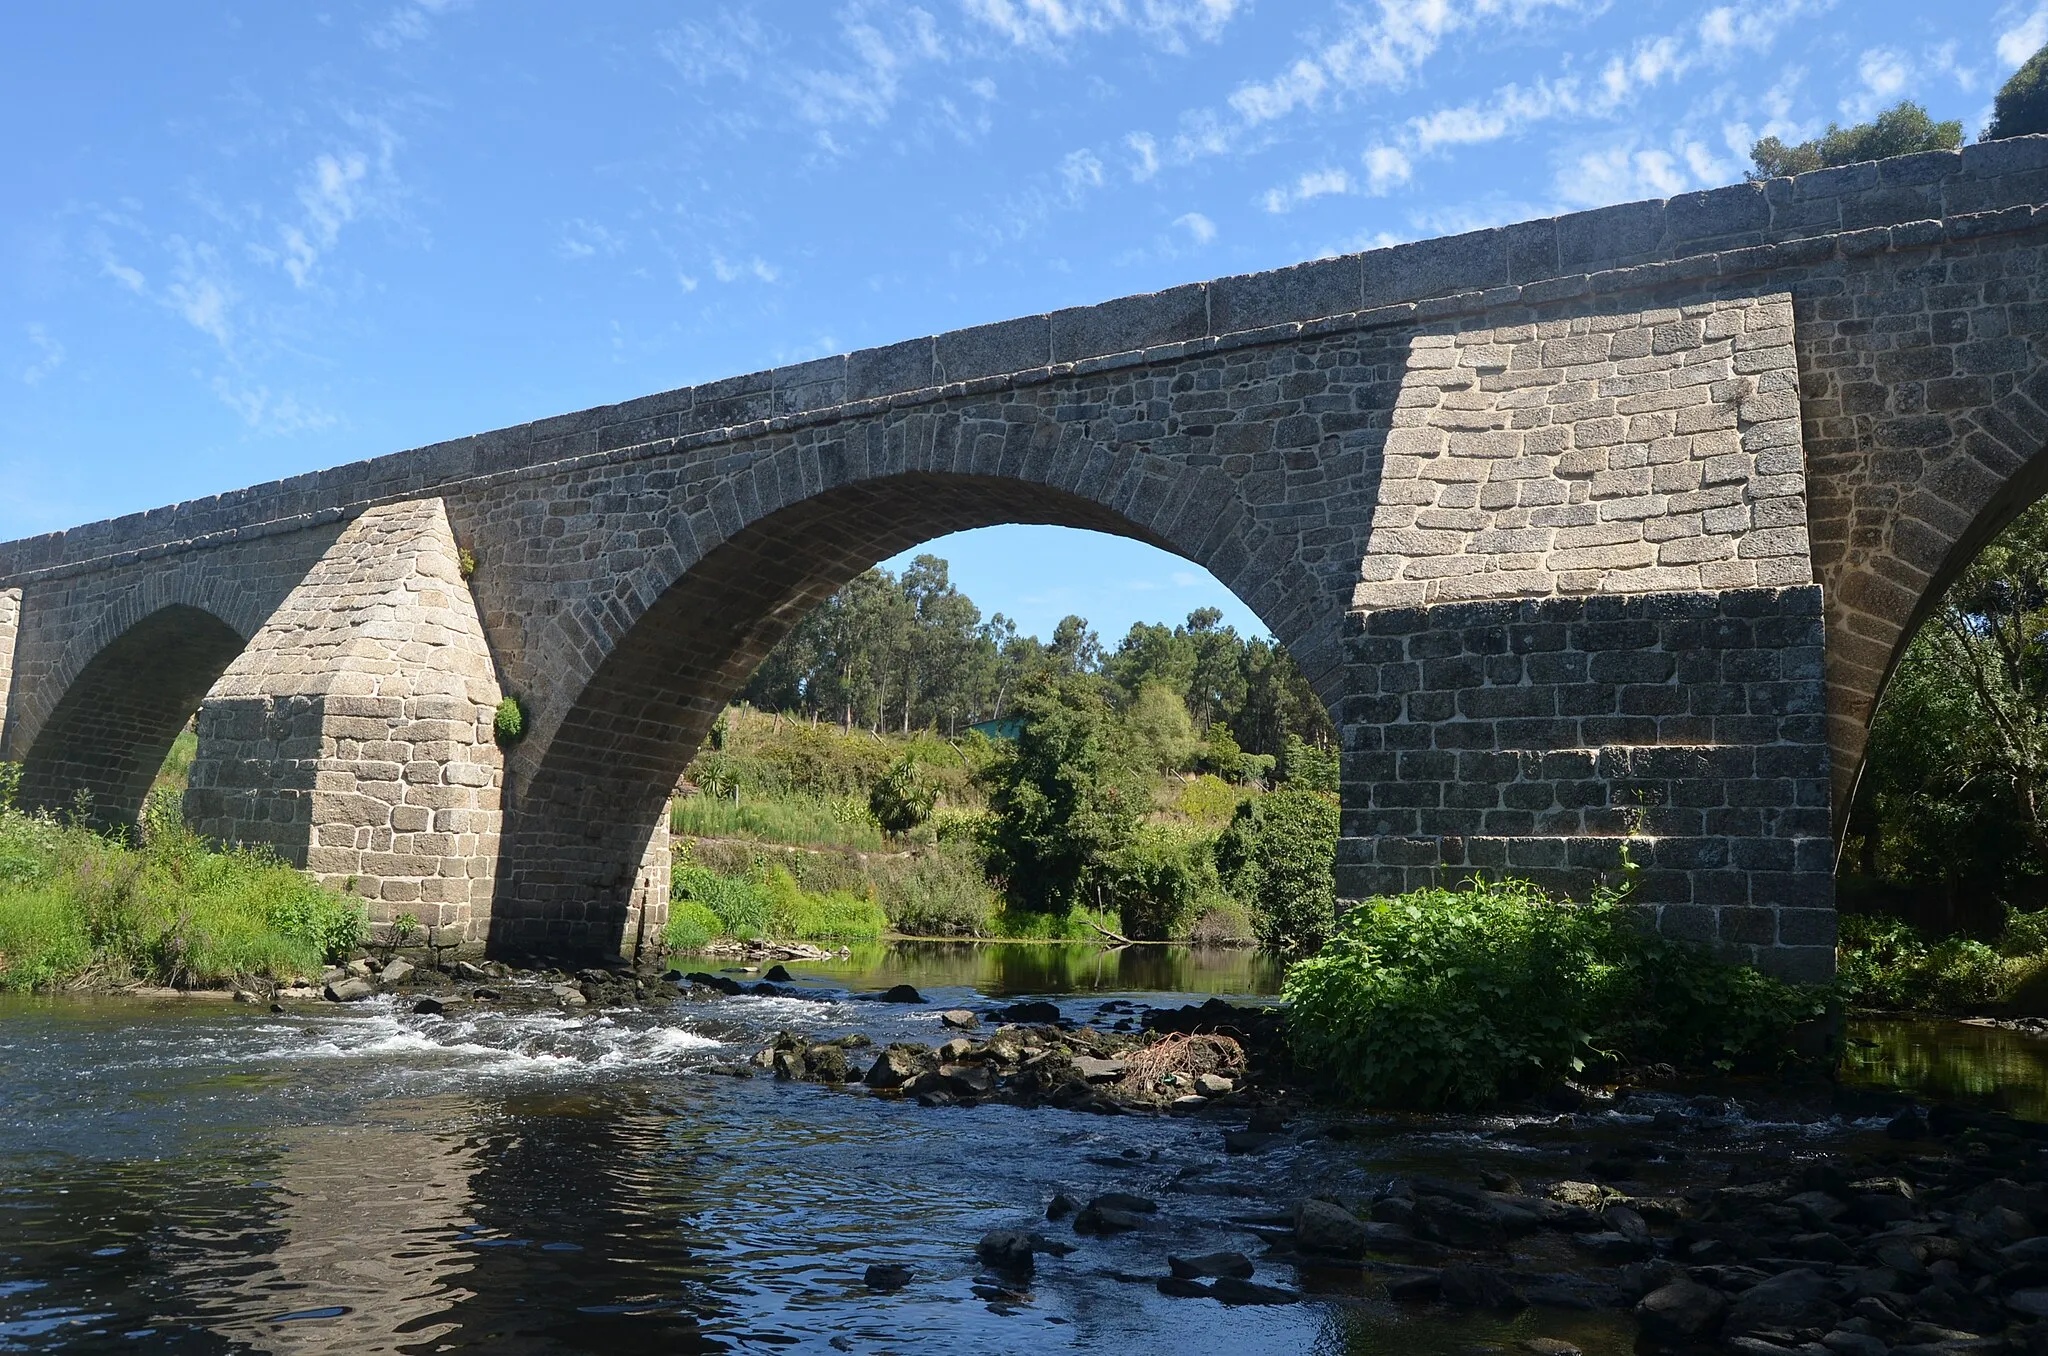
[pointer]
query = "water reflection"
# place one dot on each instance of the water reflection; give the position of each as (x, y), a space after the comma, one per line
(1981, 1065)
(1015, 969)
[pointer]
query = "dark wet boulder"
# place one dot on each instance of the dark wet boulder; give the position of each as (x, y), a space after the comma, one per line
(1415, 1287)
(778, 974)
(1329, 1230)
(1181, 1287)
(900, 1064)
(1107, 1219)
(1682, 1311)
(887, 1276)
(1466, 1285)
(827, 1063)
(1124, 1200)
(429, 1007)
(1061, 1205)
(902, 993)
(1237, 1290)
(1037, 1013)
(1211, 1264)
(1792, 1299)
(1007, 1250)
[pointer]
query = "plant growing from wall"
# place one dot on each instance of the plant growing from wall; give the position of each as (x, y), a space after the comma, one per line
(508, 723)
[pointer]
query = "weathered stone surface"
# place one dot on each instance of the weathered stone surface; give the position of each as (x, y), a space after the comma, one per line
(1551, 514)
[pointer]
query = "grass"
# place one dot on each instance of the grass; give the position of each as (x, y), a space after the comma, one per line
(797, 820)
(77, 907)
(767, 902)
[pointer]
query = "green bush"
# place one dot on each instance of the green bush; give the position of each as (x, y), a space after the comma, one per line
(1156, 880)
(901, 799)
(73, 903)
(691, 925)
(1457, 997)
(942, 893)
(1308, 767)
(1885, 963)
(2021, 107)
(1279, 856)
(1063, 796)
(508, 723)
(1040, 925)
(739, 904)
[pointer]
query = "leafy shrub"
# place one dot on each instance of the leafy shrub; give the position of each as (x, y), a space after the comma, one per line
(1156, 879)
(1886, 963)
(1220, 920)
(508, 722)
(901, 799)
(1062, 799)
(943, 893)
(1039, 925)
(1279, 856)
(1308, 767)
(1456, 997)
(739, 904)
(691, 925)
(1208, 800)
(2021, 106)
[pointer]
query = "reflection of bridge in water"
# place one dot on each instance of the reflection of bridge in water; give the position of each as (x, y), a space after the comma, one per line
(1593, 530)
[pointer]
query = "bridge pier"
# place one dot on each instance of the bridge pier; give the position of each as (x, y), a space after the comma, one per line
(354, 734)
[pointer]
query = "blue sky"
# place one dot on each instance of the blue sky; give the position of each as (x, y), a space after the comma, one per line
(240, 241)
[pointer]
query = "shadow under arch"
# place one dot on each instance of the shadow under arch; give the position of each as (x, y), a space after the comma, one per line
(578, 826)
(108, 734)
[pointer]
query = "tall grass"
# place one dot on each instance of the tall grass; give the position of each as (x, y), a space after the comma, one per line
(765, 903)
(797, 820)
(78, 907)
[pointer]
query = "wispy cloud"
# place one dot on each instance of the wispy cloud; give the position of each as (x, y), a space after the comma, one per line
(582, 239)
(1386, 168)
(754, 269)
(1884, 74)
(1317, 183)
(1199, 228)
(2023, 38)
(1049, 25)
(410, 23)
(49, 355)
(268, 413)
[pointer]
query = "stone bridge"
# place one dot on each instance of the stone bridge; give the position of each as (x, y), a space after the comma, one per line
(1593, 532)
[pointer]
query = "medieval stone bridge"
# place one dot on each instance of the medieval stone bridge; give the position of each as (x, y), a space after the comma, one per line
(1595, 530)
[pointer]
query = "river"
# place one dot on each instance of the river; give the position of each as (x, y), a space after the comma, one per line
(190, 1176)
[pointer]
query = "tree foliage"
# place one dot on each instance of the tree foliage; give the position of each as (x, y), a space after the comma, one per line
(1279, 857)
(1902, 129)
(1954, 795)
(2021, 108)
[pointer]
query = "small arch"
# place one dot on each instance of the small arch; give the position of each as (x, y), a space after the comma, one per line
(581, 822)
(110, 730)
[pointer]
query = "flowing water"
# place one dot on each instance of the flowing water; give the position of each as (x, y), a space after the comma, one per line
(197, 1177)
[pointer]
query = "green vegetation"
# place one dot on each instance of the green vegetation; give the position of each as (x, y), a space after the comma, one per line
(1949, 828)
(1889, 965)
(1453, 998)
(2021, 108)
(793, 819)
(509, 722)
(77, 907)
(1279, 856)
(1901, 129)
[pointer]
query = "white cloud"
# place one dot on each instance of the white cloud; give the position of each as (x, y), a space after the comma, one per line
(1726, 28)
(1885, 74)
(1050, 24)
(2024, 38)
(1080, 171)
(728, 45)
(1309, 186)
(200, 291)
(585, 239)
(756, 268)
(266, 413)
(1199, 228)
(412, 22)
(1623, 174)
(1147, 150)
(1386, 168)
(50, 355)
(130, 278)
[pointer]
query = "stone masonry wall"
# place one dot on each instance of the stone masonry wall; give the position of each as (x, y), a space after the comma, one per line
(1538, 738)
(354, 734)
(10, 630)
(1608, 453)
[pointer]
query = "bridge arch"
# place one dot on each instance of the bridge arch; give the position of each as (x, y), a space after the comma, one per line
(119, 710)
(584, 865)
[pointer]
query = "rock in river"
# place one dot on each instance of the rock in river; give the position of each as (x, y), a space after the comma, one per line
(960, 1019)
(354, 989)
(887, 1276)
(395, 971)
(902, 993)
(1211, 1264)
(1683, 1311)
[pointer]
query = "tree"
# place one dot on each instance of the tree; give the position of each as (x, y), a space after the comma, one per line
(2021, 108)
(1279, 856)
(1954, 795)
(1902, 129)
(1061, 799)
(900, 799)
